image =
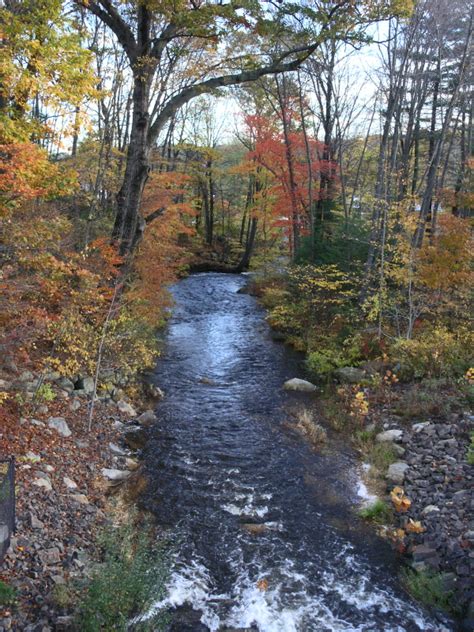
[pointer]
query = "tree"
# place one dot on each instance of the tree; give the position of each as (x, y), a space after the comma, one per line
(179, 50)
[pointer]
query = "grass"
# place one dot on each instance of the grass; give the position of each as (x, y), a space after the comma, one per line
(428, 588)
(310, 428)
(429, 398)
(7, 594)
(132, 575)
(378, 512)
(381, 456)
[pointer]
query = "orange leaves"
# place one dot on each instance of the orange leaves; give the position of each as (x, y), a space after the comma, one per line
(401, 502)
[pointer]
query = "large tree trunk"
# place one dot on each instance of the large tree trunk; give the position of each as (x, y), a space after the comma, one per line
(129, 224)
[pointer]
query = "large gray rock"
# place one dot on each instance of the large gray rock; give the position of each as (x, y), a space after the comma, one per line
(349, 375)
(396, 472)
(126, 408)
(393, 436)
(296, 384)
(59, 424)
(117, 450)
(87, 384)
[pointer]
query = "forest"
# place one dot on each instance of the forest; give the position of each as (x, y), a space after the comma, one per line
(321, 148)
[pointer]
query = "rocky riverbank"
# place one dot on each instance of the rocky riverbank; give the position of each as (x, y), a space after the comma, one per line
(65, 477)
(438, 480)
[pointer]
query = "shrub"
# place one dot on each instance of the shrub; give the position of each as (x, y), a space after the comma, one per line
(132, 575)
(428, 587)
(381, 455)
(428, 398)
(378, 512)
(470, 451)
(435, 353)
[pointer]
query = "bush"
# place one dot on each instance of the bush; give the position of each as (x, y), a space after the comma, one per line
(378, 512)
(428, 588)
(132, 575)
(428, 398)
(435, 353)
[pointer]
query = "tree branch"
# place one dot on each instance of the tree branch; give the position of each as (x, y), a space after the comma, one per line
(109, 15)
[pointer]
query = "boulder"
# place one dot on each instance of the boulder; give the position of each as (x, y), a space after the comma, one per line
(296, 384)
(135, 438)
(393, 435)
(126, 408)
(349, 375)
(396, 472)
(59, 424)
(146, 419)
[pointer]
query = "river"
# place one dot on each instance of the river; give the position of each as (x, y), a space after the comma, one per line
(224, 455)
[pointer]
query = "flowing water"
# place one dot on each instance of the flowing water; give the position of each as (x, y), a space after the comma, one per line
(225, 455)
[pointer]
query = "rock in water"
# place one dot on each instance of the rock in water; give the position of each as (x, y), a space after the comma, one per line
(296, 384)
(59, 424)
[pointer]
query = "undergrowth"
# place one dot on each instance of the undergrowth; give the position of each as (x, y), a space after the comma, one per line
(132, 575)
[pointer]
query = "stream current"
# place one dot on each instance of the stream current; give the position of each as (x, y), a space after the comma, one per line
(225, 455)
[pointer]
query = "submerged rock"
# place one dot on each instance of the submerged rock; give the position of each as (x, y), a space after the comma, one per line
(148, 418)
(296, 384)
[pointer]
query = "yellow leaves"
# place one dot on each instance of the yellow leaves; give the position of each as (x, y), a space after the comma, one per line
(469, 376)
(414, 526)
(401, 502)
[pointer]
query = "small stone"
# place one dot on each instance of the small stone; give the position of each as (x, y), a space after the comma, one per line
(43, 482)
(396, 472)
(65, 384)
(59, 424)
(50, 556)
(75, 405)
(35, 523)
(126, 408)
(70, 484)
(153, 391)
(80, 498)
(147, 418)
(32, 457)
(419, 427)
(430, 509)
(131, 464)
(296, 384)
(117, 450)
(393, 435)
(115, 475)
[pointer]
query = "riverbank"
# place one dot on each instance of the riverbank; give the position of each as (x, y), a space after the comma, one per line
(415, 441)
(72, 483)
